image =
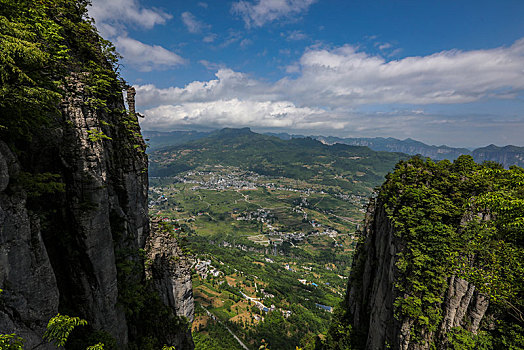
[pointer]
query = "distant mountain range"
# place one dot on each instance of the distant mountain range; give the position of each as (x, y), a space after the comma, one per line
(160, 139)
(356, 169)
(507, 155)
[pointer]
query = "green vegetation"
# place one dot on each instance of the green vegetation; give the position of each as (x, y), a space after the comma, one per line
(43, 43)
(461, 219)
(11, 342)
(274, 219)
(350, 168)
(59, 328)
(239, 231)
(52, 58)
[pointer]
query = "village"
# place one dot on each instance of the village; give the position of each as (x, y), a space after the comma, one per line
(204, 268)
(277, 246)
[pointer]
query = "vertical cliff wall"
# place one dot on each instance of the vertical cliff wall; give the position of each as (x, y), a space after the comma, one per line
(77, 249)
(73, 188)
(372, 294)
(30, 293)
(438, 265)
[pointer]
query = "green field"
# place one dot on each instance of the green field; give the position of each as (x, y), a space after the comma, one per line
(272, 225)
(245, 235)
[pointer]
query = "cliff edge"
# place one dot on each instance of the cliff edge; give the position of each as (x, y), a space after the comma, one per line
(438, 265)
(73, 189)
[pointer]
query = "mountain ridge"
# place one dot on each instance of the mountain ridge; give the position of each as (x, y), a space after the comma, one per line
(356, 167)
(506, 155)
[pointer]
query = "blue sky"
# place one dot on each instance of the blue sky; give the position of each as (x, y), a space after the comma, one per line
(443, 72)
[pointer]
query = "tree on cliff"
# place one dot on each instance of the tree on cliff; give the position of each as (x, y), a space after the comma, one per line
(451, 222)
(42, 43)
(75, 189)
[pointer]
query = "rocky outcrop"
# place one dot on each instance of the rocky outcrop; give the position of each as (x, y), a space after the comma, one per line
(76, 249)
(372, 292)
(169, 271)
(507, 156)
(30, 294)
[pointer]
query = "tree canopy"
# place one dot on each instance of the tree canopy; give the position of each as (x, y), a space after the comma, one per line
(455, 219)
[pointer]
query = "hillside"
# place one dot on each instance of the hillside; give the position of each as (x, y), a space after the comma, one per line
(271, 223)
(408, 146)
(439, 263)
(507, 155)
(350, 167)
(160, 139)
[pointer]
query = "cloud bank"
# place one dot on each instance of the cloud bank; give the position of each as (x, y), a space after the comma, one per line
(192, 24)
(147, 57)
(333, 87)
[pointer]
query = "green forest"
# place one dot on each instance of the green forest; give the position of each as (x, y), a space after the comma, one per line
(454, 219)
(352, 168)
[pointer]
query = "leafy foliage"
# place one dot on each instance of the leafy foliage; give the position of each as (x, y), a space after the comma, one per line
(11, 342)
(37, 185)
(43, 42)
(458, 219)
(59, 328)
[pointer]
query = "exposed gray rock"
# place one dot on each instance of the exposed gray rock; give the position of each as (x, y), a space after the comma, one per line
(62, 254)
(372, 292)
(30, 294)
(169, 269)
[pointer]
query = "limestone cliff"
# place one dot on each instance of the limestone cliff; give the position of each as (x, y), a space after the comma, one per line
(168, 268)
(438, 265)
(77, 250)
(30, 294)
(372, 294)
(73, 187)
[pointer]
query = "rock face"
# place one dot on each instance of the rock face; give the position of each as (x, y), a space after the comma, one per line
(169, 270)
(63, 251)
(30, 293)
(372, 292)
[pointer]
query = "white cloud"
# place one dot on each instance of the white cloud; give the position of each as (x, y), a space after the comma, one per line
(146, 57)
(234, 113)
(192, 24)
(245, 43)
(227, 85)
(112, 19)
(334, 86)
(210, 38)
(232, 38)
(345, 76)
(111, 15)
(260, 12)
(296, 35)
(211, 65)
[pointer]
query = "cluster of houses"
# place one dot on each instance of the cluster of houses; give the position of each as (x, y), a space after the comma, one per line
(160, 199)
(235, 180)
(204, 268)
(261, 215)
